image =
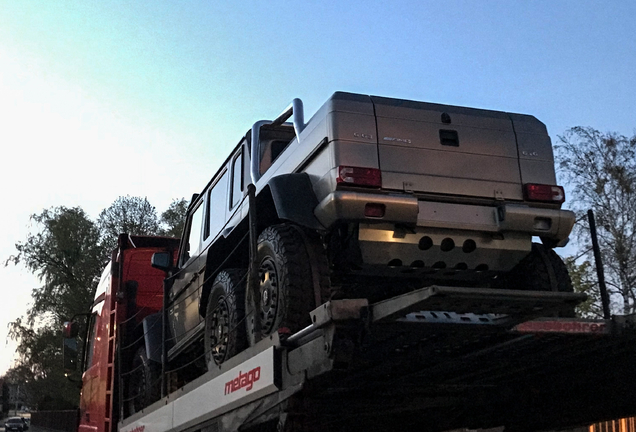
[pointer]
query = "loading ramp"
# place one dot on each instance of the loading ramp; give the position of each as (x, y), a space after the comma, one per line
(420, 361)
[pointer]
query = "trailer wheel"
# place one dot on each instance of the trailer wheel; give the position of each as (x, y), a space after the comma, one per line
(225, 317)
(292, 270)
(144, 386)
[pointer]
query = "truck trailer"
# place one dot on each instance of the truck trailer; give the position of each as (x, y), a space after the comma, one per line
(371, 269)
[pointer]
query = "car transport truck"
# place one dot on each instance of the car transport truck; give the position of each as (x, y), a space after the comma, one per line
(371, 269)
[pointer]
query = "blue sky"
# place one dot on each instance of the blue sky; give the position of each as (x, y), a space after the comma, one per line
(102, 99)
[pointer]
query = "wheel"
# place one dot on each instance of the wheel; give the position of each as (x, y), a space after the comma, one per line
(290, 264)
(224, 335)
(541, 270)
(144, 386)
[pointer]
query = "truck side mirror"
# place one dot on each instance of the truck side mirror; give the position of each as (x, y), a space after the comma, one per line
(70, 330)
(69, 354)
(162, 261)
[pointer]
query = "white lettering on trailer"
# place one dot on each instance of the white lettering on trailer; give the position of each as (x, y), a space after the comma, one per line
(213, 397)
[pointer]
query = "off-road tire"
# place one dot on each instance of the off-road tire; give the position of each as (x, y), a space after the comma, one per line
(224, 334)
(287, 281)
(542, 270)
(144, 386)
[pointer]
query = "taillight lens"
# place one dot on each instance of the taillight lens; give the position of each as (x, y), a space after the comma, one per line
(544, 193)
(356, 176)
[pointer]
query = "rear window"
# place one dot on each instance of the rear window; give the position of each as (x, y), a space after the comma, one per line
(274, 140)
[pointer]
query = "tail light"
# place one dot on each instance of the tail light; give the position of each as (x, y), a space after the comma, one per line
(355, 176)
(544, 193)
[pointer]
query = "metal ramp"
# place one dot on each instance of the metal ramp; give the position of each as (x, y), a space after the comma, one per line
(477, 301)
(424, 364)
(420, 362)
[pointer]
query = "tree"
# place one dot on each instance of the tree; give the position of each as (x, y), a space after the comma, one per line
(68, 252)
(40, 372)
(67, 256)
(600, 170)
(173, 219)
(132, 215)
(584, 280)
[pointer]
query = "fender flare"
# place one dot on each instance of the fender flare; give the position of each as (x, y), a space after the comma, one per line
(294, 199)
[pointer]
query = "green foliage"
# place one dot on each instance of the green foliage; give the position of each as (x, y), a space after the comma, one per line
(68, 252)
(67, 256)
(173, 219)
(584, 281)
(42, 375)
(600, 170)
(132, 215)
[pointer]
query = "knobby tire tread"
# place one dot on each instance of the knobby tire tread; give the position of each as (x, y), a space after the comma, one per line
(231, 283)
(151, 376)
(295, 280)
(532, 273)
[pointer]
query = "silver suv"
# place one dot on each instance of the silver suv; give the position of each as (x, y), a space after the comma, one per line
(372, 197)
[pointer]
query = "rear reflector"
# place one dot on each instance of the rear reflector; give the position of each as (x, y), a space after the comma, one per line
(544, 193)
(355, 176)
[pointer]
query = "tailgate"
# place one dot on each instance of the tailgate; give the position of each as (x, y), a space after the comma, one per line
(449, 150)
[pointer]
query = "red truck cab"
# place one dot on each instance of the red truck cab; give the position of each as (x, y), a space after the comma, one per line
(129, 291)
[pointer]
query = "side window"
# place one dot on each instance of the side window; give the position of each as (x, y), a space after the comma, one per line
(91, 341)
(277, 148)
(194, 235)
(217, 199)
(273, 141)
(236, 194)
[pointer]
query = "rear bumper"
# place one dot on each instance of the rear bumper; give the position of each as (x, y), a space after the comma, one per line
(514, 218)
